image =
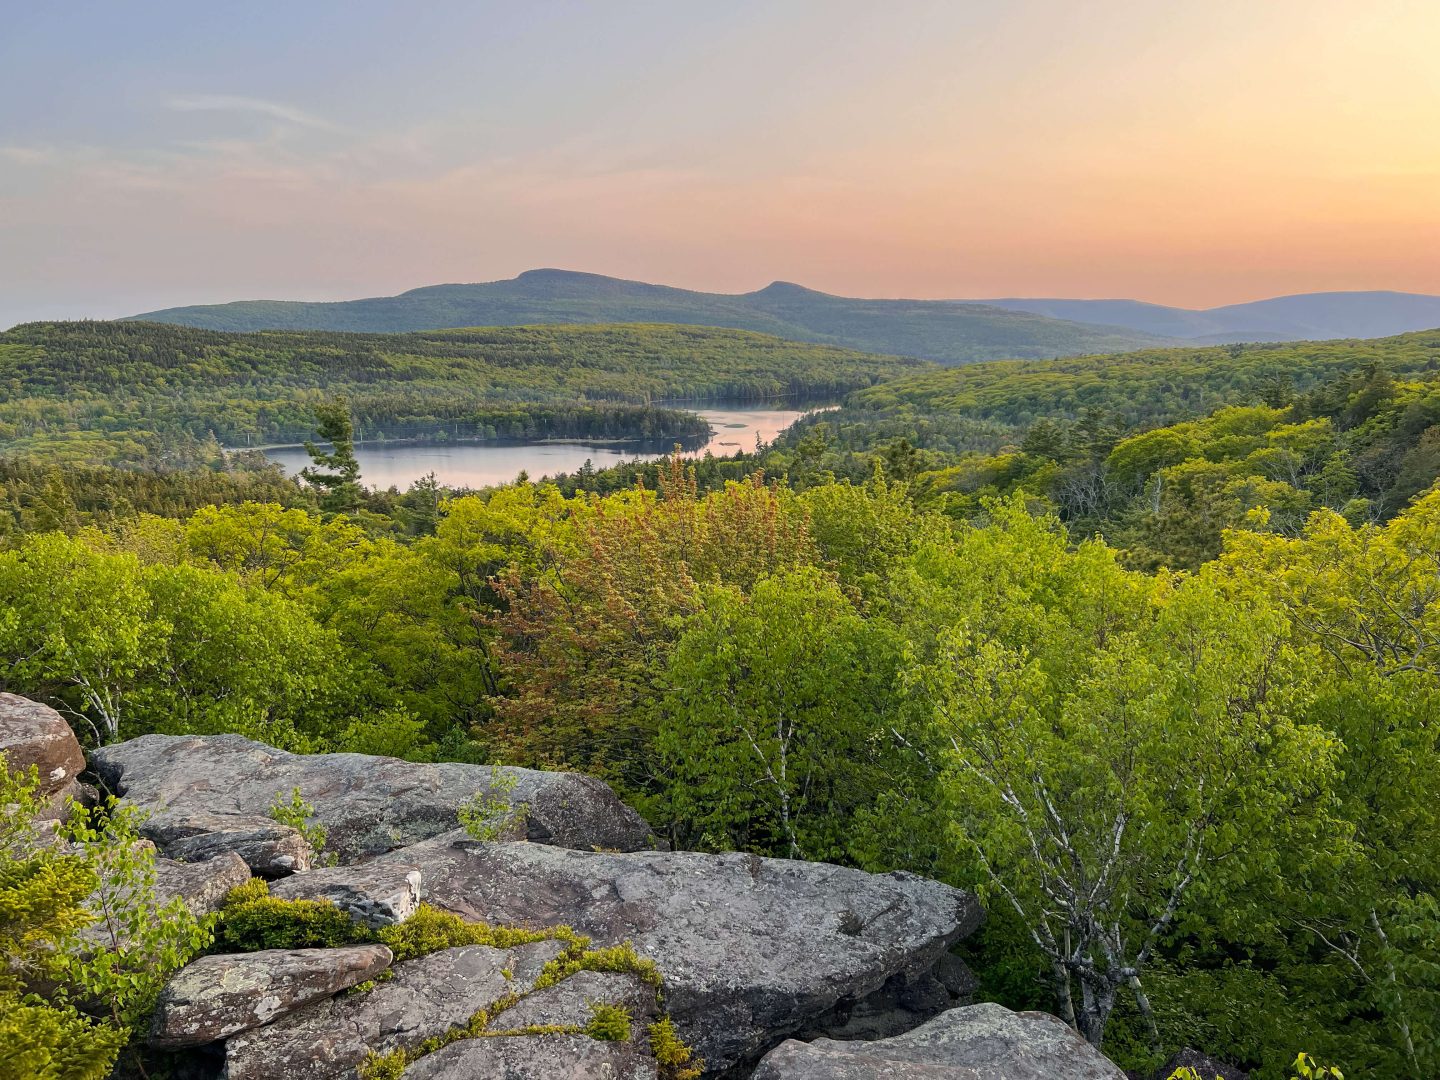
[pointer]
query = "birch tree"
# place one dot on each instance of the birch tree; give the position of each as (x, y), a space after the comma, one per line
(1112, 742)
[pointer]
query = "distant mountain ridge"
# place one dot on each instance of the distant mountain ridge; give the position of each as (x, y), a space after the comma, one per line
(950, 331)
(1302, 317)
(930, 329)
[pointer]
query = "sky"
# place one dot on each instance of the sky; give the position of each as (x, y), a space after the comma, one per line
(1191, 153)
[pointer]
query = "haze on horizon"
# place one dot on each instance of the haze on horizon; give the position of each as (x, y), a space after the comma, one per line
(1191, 153)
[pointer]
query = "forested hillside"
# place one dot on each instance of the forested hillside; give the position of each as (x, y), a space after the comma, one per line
(941, 330)
(137, 392)
(1158, 451)
(1141, 649)
(1217, 791)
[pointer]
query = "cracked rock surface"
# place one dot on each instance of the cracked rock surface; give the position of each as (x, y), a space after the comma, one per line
(219, 996)
(752, 949)
(978, 1042)
(367, 804)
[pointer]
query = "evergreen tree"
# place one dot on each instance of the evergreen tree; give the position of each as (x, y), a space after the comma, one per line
(336, 473)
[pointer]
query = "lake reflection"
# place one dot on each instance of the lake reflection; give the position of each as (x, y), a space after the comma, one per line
(481, 464)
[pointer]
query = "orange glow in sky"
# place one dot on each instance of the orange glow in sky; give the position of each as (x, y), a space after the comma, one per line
(1185, 153)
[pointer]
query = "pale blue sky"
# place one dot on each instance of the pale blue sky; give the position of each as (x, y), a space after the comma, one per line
(165, 153)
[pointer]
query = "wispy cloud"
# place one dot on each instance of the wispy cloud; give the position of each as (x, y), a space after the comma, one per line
(276, 110)
(27, 155)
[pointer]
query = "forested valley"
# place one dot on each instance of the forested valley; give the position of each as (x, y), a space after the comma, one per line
(129, 393)
(1144, 649)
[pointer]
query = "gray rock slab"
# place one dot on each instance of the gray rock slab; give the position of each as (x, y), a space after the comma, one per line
(977, 1042)
(202, 885)
(219, 996)
(328, 1039)
(378, 894)
(35, 734)
(270, 849)
(535, 1057)
(367, 804)
(569, 1002)
(752, 950)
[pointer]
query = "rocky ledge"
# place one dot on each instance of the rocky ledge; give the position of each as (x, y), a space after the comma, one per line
(216, 791)
(752, 949)
(981, 1042)
(800, 970)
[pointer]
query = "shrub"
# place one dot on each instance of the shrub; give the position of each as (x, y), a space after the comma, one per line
(300, 816)
(608, 1023)
(253, 920)
(490, 814)
(430, 929)
(53, 1043)
(676, 1060)
(101, 882)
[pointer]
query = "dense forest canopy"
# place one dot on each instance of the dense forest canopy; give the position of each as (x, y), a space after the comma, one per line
(129, 393)
(1142, 649)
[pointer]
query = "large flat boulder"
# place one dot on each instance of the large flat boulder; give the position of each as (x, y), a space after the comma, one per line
(327, 1040)
(535, 1057)
(35, 734)
(752, 949)
(367, 804)
(218, 996)
(978, 1042)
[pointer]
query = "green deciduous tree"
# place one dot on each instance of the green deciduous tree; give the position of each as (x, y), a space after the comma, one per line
(1115, 742)
(775, 730)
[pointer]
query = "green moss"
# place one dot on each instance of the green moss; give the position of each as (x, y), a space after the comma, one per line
(429, 930)
(254, 889)
(252, 920)
(614, 958)
(389, 1066)
(370, 984)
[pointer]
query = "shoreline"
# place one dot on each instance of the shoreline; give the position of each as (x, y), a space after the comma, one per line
(436, 440)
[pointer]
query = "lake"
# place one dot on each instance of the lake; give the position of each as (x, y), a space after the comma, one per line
(482, 464)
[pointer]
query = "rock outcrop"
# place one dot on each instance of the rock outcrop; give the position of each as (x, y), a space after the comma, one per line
(32, 734)
(426, 997)
(535, 1057)
(219, 996)
(368, 805)
(978, 1042)
(752, 949)
(270, 849)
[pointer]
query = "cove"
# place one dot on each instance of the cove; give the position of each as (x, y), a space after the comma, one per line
(475, 464)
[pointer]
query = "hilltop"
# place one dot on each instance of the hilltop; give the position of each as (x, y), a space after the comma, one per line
(948, 331)
(941, 330)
